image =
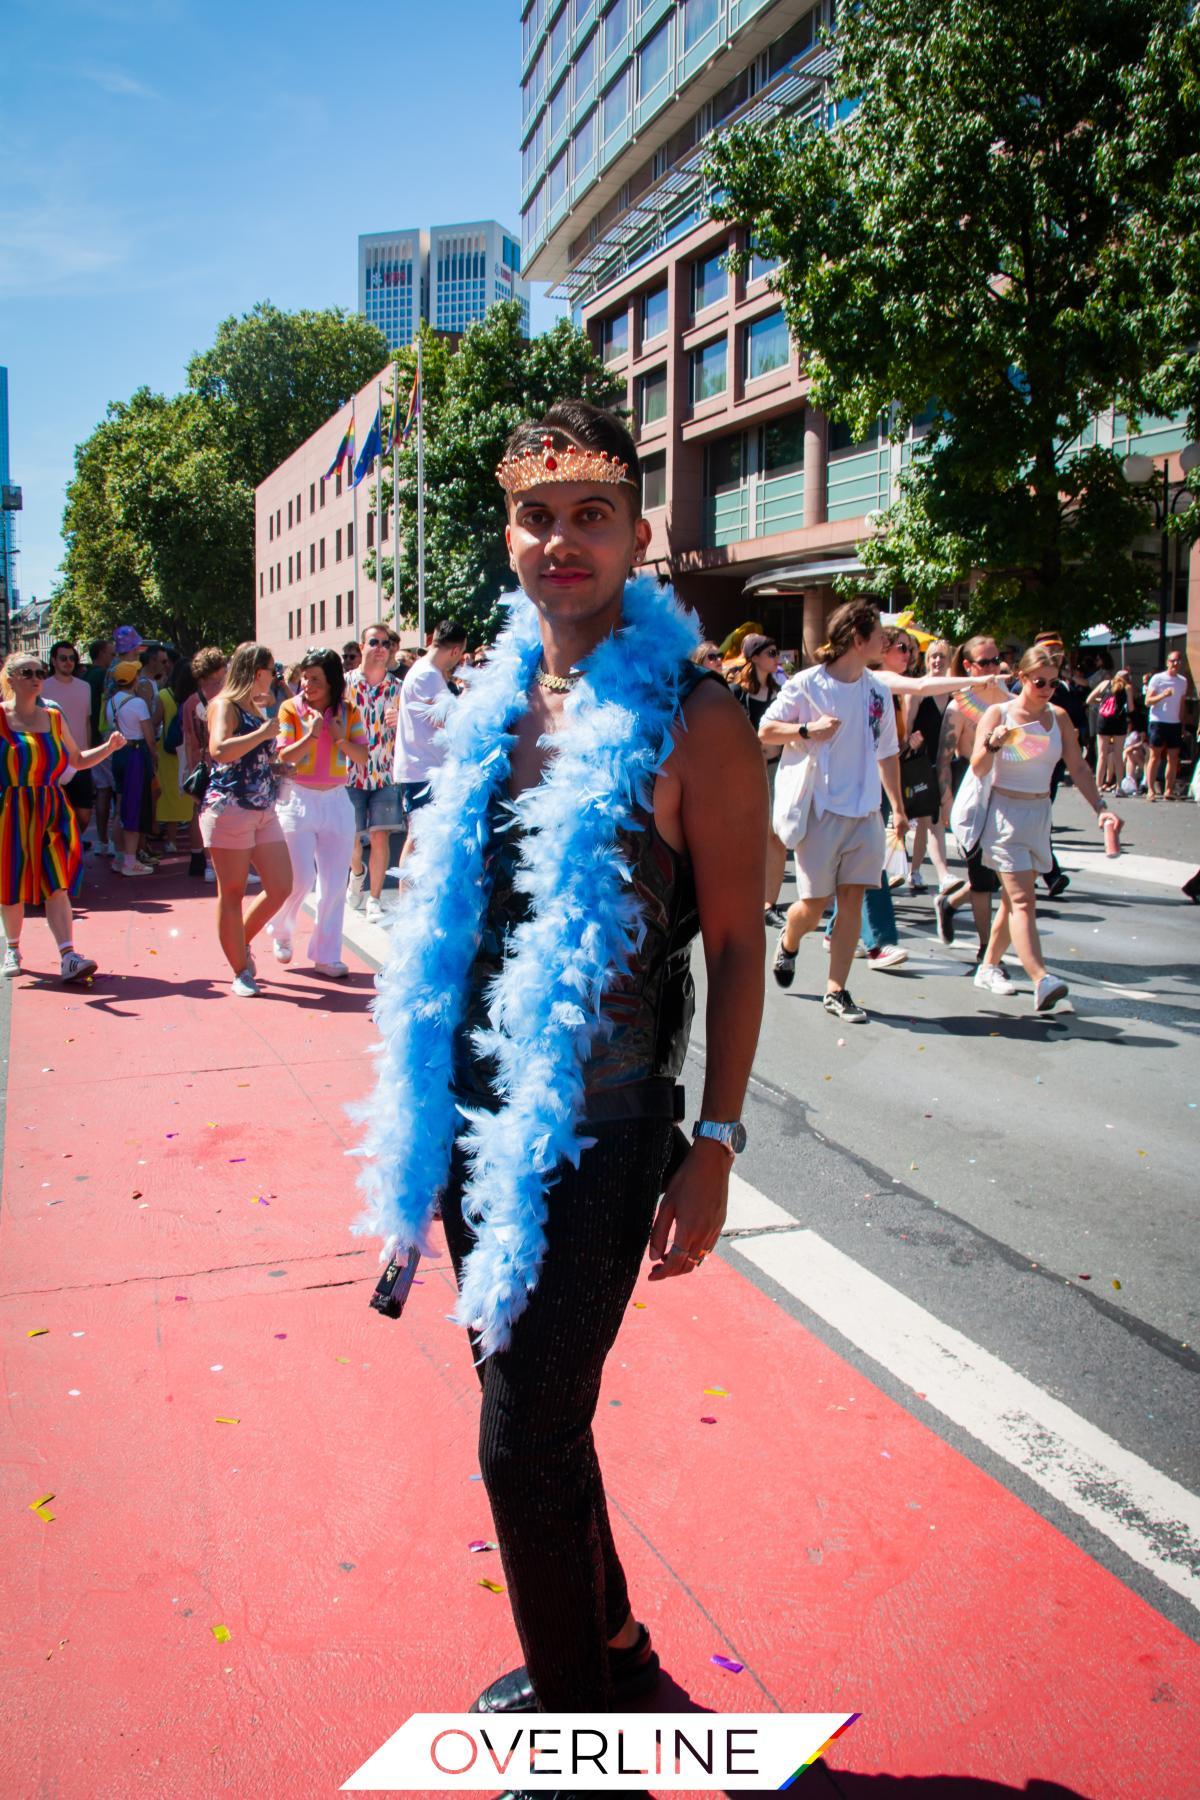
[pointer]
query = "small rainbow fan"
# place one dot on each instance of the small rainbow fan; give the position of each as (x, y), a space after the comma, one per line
(1027, 746)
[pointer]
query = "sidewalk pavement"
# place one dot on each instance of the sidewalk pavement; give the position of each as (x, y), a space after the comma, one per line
(262, 1493)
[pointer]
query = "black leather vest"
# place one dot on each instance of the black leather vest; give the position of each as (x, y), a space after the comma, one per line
(647, 1011)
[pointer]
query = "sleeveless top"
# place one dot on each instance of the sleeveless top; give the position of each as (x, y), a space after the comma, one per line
(1026, 763)
(32, 759)
(251, 781)
(647, 1011)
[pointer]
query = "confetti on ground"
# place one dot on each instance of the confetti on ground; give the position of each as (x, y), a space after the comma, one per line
(344, 1359)
(1116, 1283)
(1085, 1278)
(493, 1587)
(641, 1305)
(1143, 1153)
(222, 1420)
(727, 1662)
(73, 1393)
(61, 1645)
(482, 1544)
(281, 1334)
(41, 1502)
(708, 1421)
(237, 1159)
(39, 1331)
(221, 1633)
(181, 1296)
(722, 1391)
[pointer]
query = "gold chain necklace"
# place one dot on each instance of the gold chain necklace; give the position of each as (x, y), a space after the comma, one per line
(557, 684)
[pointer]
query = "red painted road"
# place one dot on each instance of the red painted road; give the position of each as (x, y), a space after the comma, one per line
(817, 1532)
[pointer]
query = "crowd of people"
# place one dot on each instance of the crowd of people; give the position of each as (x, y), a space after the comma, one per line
(281, 779)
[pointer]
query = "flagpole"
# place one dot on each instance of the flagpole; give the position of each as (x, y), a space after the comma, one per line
(420, 497)
(354, 507)
(396, 496)
(379, 508)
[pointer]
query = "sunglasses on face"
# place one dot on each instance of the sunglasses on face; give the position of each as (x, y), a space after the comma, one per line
(714, 656)
(987, 662)
(31, 674)
(378, 644)
(1041, 681)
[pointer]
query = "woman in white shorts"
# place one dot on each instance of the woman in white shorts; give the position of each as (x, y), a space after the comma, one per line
(239, 824)
(1018, 744)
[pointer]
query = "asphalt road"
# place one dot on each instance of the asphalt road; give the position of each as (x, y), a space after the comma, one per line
(983, 1161)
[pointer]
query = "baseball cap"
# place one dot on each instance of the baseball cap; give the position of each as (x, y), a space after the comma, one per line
(127, 638)
(754, 645)
(126, 672)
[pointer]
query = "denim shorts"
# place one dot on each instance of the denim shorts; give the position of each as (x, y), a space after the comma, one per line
(377, 809)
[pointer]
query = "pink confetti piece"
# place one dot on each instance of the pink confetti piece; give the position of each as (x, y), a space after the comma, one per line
(181, 1296)
(236, 1159)
(281, 1334)
(482, 1544)
(708, 1421)
(727, 1662)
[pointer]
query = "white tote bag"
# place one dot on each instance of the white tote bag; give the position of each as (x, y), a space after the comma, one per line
(969, 811)
(794, 784)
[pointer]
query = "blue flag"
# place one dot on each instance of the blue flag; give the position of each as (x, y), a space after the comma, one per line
(372, 447)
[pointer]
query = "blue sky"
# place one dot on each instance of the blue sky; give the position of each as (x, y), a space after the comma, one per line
(167, 163)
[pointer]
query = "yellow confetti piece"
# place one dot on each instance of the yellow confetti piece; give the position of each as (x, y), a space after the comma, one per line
(342, 1359)
(493, 1587)
(724, 1391)
(44, 1513)
(1143, 1153)
(222, 1420)
(39, 1331)
(641, 1305)
(221, 1633)
(1117, 1285)
(35, 1504)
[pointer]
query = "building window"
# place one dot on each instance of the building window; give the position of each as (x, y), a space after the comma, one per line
(312, 618)
(614, 336)
(322, 624)
(337, 545)
(583, 152)
(312, 559)
(337, 483)
(725, 464)
(760, 265)
(652, 396)
(616, 25)
(349, 609)
(796, 42)
(321, 555)
(766, 346)
(557, 185)
(337, 612)
(312, 498)
(322, 493)
(654, 315)
(710, 283)
(708, 371)
(270, 579)
(654, 60)
(558, 109)
(370, 530)
(699, 16)
(558, 36)
(279, 521)
(654, 480)
(783, 445)
(270, 528)
(585, 69)
(842, 438)
(289, 515)
(260, 584)
(289, 571)
(614, 108)
(291, 623)
(297, 509)
(349, 540)
(386, 522)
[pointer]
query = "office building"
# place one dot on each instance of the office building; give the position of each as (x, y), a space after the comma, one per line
(447, 275)
(757, 503)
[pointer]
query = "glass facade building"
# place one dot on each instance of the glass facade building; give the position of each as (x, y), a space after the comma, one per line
(447, 275)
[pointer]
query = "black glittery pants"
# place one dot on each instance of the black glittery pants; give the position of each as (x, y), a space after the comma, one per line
(536, 1454)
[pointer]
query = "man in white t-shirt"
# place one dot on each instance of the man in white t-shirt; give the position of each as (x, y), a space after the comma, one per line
(1164, 696)
(425, 701)
(842, 716)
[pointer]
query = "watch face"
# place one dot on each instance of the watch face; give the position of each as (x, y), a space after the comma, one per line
(737, 1138)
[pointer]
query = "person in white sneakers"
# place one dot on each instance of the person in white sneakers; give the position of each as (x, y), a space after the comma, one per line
(374, 691)
(1018, 746)
(843, 717)
(320, 737)
(40, 849)
(425, 702)
(1164, 696)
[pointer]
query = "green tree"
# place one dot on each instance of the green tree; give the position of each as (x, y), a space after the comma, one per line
(273, 378)
(474, 397)
(978, 231)
(101, 584)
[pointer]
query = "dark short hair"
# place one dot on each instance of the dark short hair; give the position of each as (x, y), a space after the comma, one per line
(448, 631)
(590, 427)
(855, 618)
(351, 644)
(330, 665)
(149, 650)
(97, 645)
(62, 645)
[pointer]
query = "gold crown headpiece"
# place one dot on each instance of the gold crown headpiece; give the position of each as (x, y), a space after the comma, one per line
(534, 468)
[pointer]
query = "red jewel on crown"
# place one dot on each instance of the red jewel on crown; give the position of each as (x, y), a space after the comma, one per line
(549, 460)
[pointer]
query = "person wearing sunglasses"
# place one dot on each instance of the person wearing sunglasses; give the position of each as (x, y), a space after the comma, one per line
(707, 656)
(1018, 745)
(978, 657)
(40, 849)
(73, 698)
(754, 687)
(374, 691)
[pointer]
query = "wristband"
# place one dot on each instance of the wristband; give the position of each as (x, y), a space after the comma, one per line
(803, 730)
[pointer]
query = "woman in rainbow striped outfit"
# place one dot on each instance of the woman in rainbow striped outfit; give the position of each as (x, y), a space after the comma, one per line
(40, 851)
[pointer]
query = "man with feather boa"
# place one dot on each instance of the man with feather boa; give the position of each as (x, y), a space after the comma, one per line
(601, 801)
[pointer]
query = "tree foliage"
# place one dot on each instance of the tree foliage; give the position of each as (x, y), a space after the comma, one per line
(474, 397)
(1000, 235)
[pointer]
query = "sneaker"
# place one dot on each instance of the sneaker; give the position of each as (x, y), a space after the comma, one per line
(917, 886)
(104, 849)
(888, 956)
(210, 875)
(1049, 991)
(993, 979)
(283, 949)
(839, 1005)
(76, 967)
(133, 867)
(943, 912)
(895, 881)
(1058, 886)
(245, 986)
(355, 896)
(12, 960)
(197, 864)
(775, 916)
(334, 971)
(784, 966)
(374, 911)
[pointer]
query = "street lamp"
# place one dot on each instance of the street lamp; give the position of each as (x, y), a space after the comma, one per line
(1139, 470)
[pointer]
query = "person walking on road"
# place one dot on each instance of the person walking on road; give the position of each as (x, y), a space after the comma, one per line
(980, 658)
(1112, 696)
(425, 702)
(320, 737)
(754, 687)
(133, 767)
(64, 689)
(842, 716)
(239, 824)
(1018, 745)
(40, 850)
(1164, 697)
(539, 994)
(374, 692)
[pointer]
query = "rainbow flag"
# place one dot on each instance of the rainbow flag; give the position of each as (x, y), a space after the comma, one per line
(344, 454)
(414, 408)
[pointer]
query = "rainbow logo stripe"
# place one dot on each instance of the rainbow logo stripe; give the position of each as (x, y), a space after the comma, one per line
(1027, 746)
(818, 1754)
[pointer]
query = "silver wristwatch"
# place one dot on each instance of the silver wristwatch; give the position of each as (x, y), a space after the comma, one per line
(733, 1136)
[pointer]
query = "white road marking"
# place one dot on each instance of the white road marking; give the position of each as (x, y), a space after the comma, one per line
(1151, 1518)
(1129, 866)
(751, 1211)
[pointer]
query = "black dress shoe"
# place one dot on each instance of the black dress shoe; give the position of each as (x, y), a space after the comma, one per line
(634, 1673)
(1191, 888)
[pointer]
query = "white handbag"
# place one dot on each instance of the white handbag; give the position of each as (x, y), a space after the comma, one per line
(969, 812)
(794, 785)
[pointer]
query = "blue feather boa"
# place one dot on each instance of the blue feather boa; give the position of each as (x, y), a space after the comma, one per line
(544, 1007)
